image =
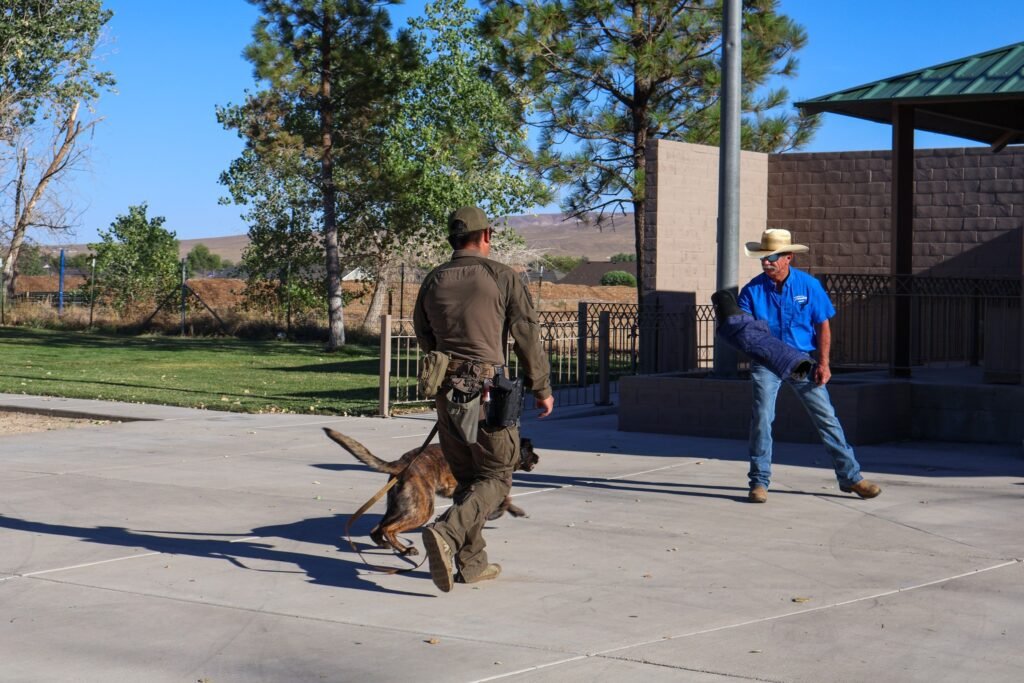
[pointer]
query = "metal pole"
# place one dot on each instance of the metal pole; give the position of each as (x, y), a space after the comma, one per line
(183, 290)
(288, 300)
(540, 283)
(729, 172)
(582, 332)
(3, 295)
(384, 388)
(60, 287)
(401, 293)
(92, 295)
(604, 350)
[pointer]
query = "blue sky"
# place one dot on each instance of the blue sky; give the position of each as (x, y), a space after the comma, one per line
(175, 60)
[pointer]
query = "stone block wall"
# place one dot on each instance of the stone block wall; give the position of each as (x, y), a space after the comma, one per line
(968, 210)
(698, 405)
(682, 217)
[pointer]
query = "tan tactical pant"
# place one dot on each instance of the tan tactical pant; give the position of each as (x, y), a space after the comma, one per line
(484, 472)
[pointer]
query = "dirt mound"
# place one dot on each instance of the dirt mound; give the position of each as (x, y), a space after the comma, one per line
(226, 293)
(46, 283)
(219, 293)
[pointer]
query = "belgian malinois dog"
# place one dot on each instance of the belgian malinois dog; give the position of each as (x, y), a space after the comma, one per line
(420, 477)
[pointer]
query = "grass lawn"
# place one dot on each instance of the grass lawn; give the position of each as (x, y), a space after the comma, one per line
(214, 373)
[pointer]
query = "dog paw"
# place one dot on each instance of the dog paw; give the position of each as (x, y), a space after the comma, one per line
(410, 551)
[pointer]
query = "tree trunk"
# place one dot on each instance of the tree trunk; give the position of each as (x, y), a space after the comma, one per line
(640, 202)
(335, 303)
(17, 237)
(24, 208)
(380, 292)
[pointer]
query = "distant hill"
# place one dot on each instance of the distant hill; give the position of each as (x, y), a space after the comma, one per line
(551, 233)
(547, 232)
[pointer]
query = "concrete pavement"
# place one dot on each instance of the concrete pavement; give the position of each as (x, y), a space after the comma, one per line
(203, 546)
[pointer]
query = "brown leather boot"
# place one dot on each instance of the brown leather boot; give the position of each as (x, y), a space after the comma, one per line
(863, 488)
(491, 571)
(758, 494)
(439, 554)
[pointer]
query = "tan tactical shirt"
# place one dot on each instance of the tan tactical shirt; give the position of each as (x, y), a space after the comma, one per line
(464, 305)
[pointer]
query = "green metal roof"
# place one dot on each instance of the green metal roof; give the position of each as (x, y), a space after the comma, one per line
(980, 97)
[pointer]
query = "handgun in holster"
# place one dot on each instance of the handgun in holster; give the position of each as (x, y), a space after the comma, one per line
(506, 404)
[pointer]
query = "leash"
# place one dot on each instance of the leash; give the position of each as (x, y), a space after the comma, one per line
(368, 504)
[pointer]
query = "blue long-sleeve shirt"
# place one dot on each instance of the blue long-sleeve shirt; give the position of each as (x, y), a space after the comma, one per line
(791, 314)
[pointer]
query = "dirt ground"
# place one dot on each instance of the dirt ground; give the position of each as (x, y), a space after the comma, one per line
(226, 293)
(12, 422)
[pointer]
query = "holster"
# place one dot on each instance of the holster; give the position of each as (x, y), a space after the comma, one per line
(506, 404)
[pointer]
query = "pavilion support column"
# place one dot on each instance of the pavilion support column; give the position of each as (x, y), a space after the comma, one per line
(902, 236)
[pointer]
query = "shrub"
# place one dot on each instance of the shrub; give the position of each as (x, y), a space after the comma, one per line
(618, 277)
(563, 264)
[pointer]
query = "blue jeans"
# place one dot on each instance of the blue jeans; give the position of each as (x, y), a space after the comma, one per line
(816, 400)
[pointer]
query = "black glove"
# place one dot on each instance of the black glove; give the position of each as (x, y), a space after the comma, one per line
(725, 304)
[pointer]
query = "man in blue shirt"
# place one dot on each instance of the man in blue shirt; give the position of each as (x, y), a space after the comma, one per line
(797, 310)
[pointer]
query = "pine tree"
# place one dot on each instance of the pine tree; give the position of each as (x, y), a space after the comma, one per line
(333, 71)
(600, 78)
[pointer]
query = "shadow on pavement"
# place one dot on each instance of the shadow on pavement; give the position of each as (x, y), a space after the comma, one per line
(326, 571)
(734, 493)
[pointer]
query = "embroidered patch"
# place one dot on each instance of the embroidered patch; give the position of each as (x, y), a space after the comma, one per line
(800, 299)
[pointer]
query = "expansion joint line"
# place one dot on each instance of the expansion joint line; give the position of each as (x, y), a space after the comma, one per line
(611, 652)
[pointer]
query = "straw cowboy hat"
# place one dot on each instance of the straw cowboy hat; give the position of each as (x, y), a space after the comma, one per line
(774, 241)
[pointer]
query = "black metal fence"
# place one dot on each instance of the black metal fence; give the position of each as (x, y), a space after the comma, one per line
(955, 321)
(588, 349)
(71, 298)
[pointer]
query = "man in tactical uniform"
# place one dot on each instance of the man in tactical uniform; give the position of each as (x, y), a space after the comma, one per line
(466, 308)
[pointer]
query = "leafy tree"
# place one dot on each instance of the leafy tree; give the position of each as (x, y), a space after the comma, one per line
(613, 74)
(200, 260)
(618, 277)
(448, 145)
(31, 260)
(623, 258)
(283, 263)
(137, 259)
(442, 139)
(333, 70)
(80, 262)
(561, 263)
(47, 72)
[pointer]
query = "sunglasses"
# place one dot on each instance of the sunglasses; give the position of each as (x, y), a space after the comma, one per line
(773, 257)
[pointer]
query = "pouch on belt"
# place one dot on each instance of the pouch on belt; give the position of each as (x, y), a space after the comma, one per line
(464, 383)
(433, 368)
(464, 411)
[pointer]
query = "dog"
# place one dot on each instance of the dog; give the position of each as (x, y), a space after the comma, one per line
(420, 477)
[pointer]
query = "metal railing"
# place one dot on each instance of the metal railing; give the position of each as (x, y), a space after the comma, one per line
(588, 350)
(955, 321)
(71, 298)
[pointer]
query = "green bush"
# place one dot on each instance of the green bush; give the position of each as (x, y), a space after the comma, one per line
(618, 277)
(563, 264)
(623, 258)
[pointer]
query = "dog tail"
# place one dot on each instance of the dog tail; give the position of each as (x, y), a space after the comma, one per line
(363, 454)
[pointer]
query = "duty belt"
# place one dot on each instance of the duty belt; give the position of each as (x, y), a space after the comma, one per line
(473, 368)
